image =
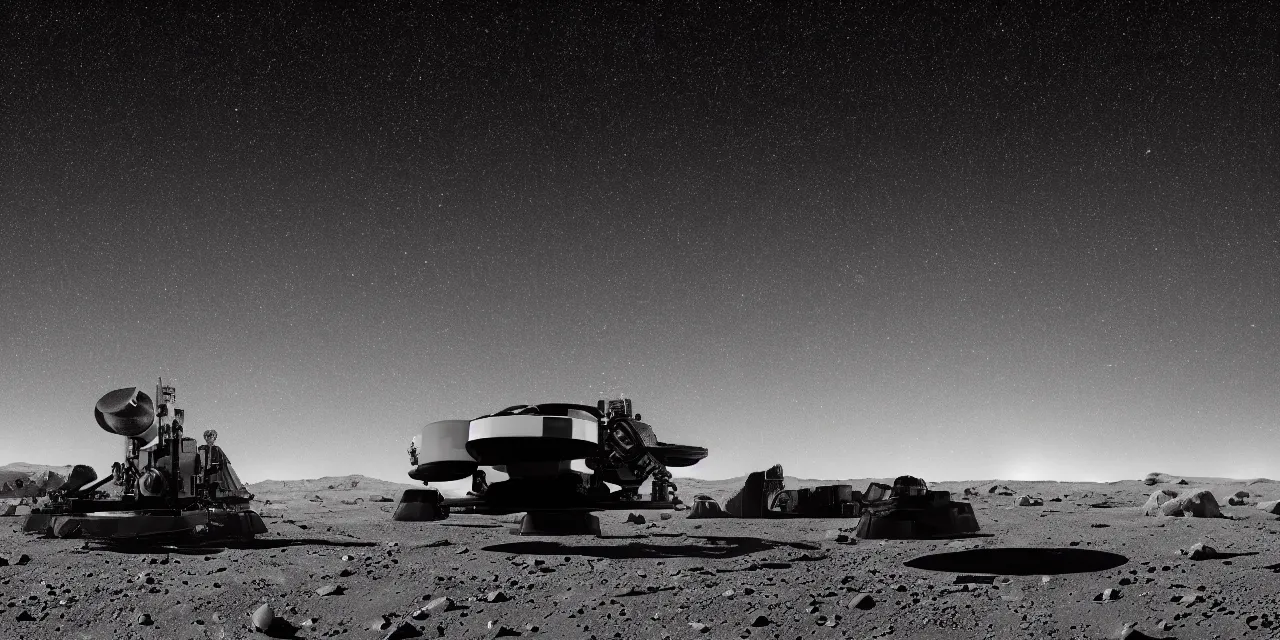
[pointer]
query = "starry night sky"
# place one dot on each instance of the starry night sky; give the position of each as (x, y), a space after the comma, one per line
(1026, 241)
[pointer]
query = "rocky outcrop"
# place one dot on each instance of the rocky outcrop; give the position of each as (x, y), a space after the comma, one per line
(999, 489)
(1157, 499)
(1196, 503)
(21, 480)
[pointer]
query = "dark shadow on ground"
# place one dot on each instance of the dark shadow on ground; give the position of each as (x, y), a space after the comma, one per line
(714, 547)
(281, 628)
(1138, 635)
(1020, 561)
(1227, 555)
(1273, 568)
(959, 536)
(193, 548)
(472, 526)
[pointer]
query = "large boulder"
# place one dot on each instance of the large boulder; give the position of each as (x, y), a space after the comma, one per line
(1196, 503)
(998, 489)
(1271, 506)
(1155, 477)
(1157, 500)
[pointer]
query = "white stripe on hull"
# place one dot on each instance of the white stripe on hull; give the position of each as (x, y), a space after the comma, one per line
(530, 427)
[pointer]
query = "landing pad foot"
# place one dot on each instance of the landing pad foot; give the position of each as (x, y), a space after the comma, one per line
(559, 523)
(421, 505)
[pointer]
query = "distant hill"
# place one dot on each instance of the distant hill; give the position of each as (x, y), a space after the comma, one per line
(336, 487)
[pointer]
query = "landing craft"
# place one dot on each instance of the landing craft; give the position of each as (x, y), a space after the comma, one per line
(170, 487)
(535, 445)
(909, 509)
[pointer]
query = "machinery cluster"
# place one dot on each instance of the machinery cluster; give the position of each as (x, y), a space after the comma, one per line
(562, 462)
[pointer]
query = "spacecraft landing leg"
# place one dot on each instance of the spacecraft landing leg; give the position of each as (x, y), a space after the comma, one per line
(421, 505)
(559, 523)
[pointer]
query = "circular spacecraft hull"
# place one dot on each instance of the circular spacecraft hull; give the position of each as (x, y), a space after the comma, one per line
(442, 452)
(508, 439)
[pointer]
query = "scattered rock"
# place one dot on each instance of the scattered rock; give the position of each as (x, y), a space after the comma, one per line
(25, 616)
(1130, 632)
(1028, 501)
(862, 601)
(836, 535)
(145, 620)
(760, 621)
(499, 631)
(496, 596)
(1180, 481)
(439, 605)
(1200, 551)
(263, 617)
(699, 627)
(330, 590)
(1107, 595)
(635, 518)
(665, 516)
(22, 559)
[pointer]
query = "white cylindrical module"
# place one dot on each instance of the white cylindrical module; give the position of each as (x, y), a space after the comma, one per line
(439, 452)
(508, 439)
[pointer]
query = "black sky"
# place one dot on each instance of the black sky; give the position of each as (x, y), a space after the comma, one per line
(1018, 236)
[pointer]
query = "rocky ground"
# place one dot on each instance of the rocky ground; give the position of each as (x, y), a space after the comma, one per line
(335, 564)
